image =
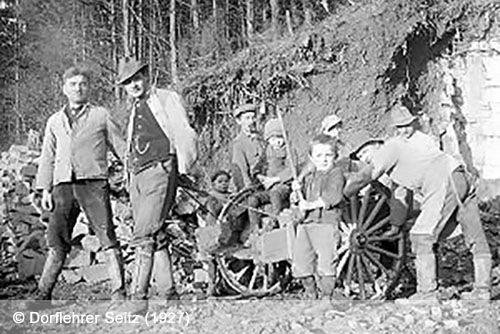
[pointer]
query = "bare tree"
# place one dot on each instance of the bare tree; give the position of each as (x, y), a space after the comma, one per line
(173, 48)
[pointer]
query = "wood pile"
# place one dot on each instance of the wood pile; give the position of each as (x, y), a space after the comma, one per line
(23, 225)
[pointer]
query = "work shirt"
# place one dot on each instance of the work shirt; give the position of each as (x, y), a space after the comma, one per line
(78, 150)
(411, 162)
(328, 186)
(416, 163)
(149, 143)
(248, 156)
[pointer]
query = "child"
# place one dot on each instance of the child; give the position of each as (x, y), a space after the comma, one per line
(218, 196)
(315, 247)
(277, 172)
(248, 148)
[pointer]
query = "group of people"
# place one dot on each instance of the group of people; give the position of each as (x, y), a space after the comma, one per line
(159, 145)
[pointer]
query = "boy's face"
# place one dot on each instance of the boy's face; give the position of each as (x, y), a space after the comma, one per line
(221, 183)
(248, 122)
(276, 142)
(322, 156)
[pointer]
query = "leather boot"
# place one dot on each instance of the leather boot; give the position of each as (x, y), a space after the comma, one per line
(51, 270)
(310, 290)
(144, 268)
(326, 285)
(163, 275)
(425, 265)
(116, 273)
(482, 279)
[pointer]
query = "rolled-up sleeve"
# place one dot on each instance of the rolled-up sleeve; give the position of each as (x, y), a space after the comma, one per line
(45, 174)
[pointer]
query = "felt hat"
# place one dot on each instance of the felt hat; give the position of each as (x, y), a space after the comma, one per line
(272, 128)
(329, 122)
(401, 116)
(375, 141)
(245, 108)
(127, 68)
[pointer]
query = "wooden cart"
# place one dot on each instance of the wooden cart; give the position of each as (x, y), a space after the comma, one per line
(369, 264)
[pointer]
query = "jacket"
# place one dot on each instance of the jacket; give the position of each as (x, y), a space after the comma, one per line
(168, 110)
(79, 150)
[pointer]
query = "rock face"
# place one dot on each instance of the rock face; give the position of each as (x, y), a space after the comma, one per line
(472, 87)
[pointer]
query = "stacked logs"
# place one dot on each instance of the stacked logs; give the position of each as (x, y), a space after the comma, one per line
(23, 225)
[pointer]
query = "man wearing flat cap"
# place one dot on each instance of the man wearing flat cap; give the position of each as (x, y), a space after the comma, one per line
(414, 162)
(247, 148)
(160, 145)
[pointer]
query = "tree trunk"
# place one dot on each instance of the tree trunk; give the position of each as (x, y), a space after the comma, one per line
(195, 15)
(250, 19)
(307, 12)
(126, 28)
(173, 49)
(114, 52)
(274, 18)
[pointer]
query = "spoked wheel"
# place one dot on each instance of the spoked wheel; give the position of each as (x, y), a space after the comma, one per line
(251, 278)
(242, 268)
(369, 264)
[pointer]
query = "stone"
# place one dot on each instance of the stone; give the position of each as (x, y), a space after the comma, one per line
(436, 313)
(91, 243)
(30, 263)
(450, 324)
(78, 258)
(70, 276)
(95, 273)
(409, 319)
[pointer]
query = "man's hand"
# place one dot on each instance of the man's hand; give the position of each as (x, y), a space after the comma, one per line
(47, 203)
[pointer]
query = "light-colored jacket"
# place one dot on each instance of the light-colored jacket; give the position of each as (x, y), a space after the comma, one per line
(80, 149)
(168, 110)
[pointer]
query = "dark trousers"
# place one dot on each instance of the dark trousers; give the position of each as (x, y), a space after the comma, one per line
(91, 196)
(277, 196)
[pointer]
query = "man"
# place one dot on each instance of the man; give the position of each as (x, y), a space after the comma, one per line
(248, 148)
(413, 161)
(73, 177)
(161, 144)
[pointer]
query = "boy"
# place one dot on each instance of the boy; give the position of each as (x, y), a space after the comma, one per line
(315, 247)
(278, 172)
(218, 196)
(248, 148)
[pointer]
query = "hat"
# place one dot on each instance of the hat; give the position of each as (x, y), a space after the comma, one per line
(354, 154)
(272, 128)
(127, 68)
(245, 108)
(329, 122)
(401, 116)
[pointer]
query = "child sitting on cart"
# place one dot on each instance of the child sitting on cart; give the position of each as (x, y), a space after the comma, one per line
(320, 196)
(274, 180)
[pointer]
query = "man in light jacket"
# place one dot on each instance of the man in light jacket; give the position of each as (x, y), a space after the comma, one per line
(160, 146)
(73, 175)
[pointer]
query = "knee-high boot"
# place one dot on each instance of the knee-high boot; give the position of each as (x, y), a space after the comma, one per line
(142, 277)
(116, 273)
(51, 270)
(482, 279)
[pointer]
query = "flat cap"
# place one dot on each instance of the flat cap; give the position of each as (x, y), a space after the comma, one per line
(248, 107)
